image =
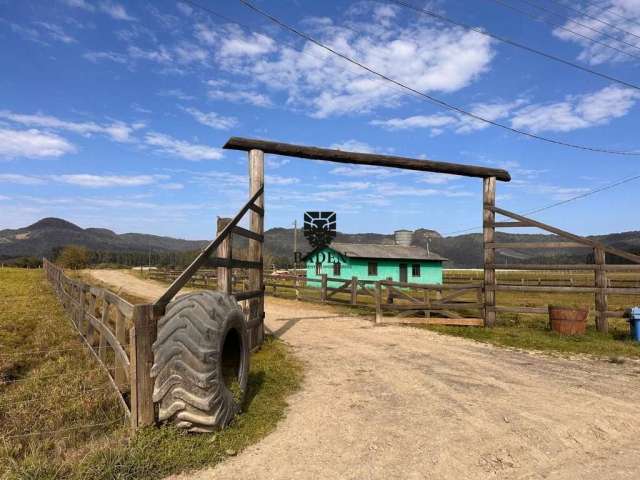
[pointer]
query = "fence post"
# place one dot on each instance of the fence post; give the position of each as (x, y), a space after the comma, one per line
(256, 182)
(354, 290)
(296, 286)
(225, 251)
(143, 334)
(602, 323)
(378, 297)
(323, 287)
(389, 291)
(488, 237)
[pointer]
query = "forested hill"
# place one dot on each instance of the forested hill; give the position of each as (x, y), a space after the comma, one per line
(48, 235)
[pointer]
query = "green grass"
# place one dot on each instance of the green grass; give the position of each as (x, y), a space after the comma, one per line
(49, 391)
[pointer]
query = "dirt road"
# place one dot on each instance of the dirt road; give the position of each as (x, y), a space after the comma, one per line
(395, 402)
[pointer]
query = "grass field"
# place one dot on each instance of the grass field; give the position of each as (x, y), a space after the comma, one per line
(52, 392)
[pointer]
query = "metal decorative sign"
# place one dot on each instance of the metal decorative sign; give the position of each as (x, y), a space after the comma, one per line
(319, 228)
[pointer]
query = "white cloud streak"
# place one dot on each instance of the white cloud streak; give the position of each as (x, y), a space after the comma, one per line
(32, 143)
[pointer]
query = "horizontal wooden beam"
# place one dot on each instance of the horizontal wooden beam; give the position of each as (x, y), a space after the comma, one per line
(431, 286)
(455, 322)
(534, 245)
(243, 232)
(257, 209)
(554, 289)
(358, 158)
(234, 263)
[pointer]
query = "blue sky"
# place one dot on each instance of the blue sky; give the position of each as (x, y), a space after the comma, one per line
(112, 114)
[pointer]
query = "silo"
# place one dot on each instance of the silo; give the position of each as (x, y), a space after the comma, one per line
(403, 237)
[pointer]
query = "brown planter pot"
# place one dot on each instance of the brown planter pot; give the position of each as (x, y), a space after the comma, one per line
(567, 320)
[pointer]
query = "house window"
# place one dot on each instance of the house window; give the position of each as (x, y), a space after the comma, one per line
(373, 269)
(336, 269)
(415, 270)
(318, 268)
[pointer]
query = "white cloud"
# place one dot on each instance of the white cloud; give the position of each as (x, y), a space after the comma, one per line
(181, 148)
(212, 119)
(32, 143)
(176, 93)
(4, 197)
(619, 15)
(56, 32)
(20, 179)
(237, 96)
(116, 11)
(98, 181)
(367, 170)
(79, 4)
(184, 9)
(575, 112)
(172, 186)
(460, 123)
(96, 57)
(117, 131)
(279, 180)
(272, 162)
(426, 57)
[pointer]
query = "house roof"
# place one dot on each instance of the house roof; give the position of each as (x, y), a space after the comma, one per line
(390, 252)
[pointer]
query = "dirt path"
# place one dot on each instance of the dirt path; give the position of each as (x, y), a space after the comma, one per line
(393, 402)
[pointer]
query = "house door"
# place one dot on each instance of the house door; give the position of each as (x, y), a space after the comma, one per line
(403, 272)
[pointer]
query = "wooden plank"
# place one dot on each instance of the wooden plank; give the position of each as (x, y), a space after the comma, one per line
(256, 224)
(554, 289)
(225, 273)
(344, 288)
(511, 224)
(323, 287)
(340, 156)
(431, 286)
(110, 338)
(235, 263)
(243, 232)
(568, 267)
(602, 324)
(186, 275)
(121, 373)
(144, 325)
(489, 253)
(540, 310)
(462, 322)
(535, 245)
(104, 320)
(592, 243)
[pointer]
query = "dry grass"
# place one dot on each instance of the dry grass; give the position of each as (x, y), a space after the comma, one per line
(51, 384)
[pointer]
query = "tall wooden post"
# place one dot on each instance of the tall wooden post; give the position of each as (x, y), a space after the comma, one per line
(256, 182)
(121, 335)
(488, 237)
(602, 323)
(143, 334)
(354, 290)
(378, 297)
(225, 274)
(323, 287)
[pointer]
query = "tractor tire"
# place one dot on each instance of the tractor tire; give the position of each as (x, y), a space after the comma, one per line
(200, 350)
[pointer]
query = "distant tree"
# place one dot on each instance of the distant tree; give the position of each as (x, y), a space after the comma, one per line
(74, 256)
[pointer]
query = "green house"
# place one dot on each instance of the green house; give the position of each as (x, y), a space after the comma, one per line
(401, 263)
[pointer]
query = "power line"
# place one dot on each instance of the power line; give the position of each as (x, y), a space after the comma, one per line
(612, 12)
(510, 42)
(592, 17)
(430, 98)
(563, 202)
(605, 34)
(572, 32)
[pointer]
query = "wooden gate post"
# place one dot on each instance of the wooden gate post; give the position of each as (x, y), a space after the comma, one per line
(142, 336)
(256, 282)
(378, 297)
(354, 290)
(602, 323)
(488, 237)
(323, 287)
(225, 251)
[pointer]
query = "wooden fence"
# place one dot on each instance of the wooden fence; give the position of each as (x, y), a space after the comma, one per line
(104, 322)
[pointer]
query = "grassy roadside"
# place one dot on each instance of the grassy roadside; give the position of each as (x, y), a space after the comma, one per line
(49, 384)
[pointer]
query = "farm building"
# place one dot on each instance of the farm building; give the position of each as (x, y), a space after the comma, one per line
(401, 262)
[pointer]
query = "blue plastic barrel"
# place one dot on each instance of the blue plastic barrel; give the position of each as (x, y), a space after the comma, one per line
(634, 323)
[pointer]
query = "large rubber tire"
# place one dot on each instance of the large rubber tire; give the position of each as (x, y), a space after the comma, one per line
(188, 361)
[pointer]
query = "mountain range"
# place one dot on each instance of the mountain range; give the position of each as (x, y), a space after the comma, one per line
(45, 236)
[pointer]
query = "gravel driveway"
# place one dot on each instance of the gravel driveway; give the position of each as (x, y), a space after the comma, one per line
(397, 402)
